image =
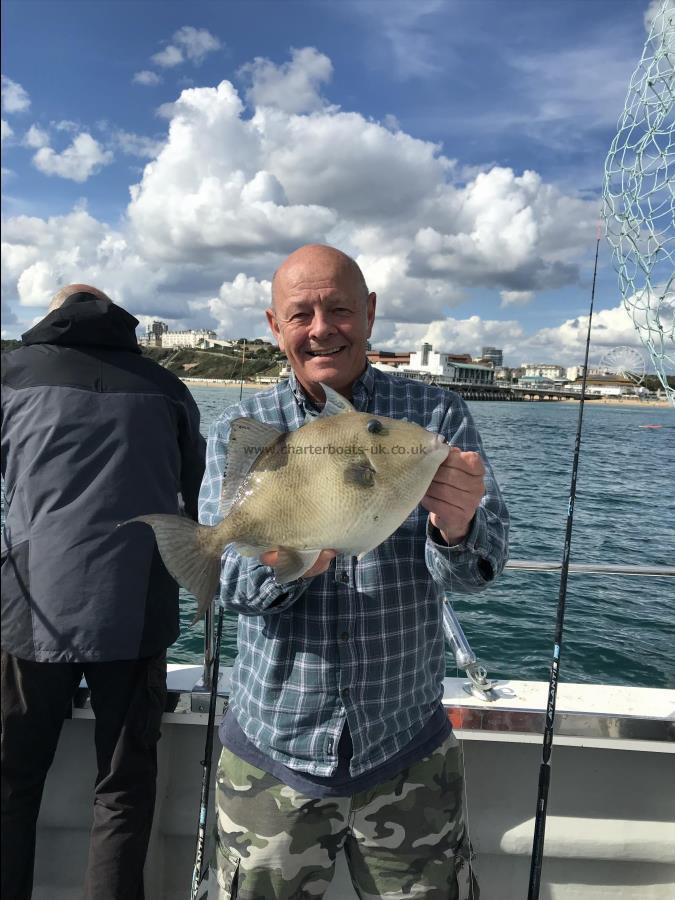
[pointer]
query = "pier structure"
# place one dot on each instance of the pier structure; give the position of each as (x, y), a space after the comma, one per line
(501, 391)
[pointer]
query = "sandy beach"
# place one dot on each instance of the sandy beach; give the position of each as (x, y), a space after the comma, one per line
(224, 382)
(620, 401)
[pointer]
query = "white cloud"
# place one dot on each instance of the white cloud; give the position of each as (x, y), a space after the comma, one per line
(197, 43)
(41, 255)
(565, 343)
(258, 187)
(225, 195)
(14, 97)
(137, 144)
(6, 132)
(402, 298)
(36, 137)
(408, 35)
(209, 192)
(516, 298)
(78, 162)
(344, 162)
(66, 125)
(147, 78)
(450, 335)
(294, 86)
(188, 43)
(169, 57)
(507, 231)
(239, 308)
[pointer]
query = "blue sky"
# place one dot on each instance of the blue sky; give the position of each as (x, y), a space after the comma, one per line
(173, 153)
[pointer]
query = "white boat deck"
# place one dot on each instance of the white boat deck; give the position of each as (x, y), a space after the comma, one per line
(610, 830)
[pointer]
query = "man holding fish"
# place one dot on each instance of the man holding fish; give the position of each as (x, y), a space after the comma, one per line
(337, 563)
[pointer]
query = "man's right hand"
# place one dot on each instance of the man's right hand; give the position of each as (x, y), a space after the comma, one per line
(319, 567)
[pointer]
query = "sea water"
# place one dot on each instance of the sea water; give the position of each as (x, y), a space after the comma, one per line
(618, 629)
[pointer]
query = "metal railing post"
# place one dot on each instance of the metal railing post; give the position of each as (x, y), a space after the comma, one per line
(479, 684)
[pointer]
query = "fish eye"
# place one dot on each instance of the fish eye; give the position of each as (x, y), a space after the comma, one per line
(374, 427)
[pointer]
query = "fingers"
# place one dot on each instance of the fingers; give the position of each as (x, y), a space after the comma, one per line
(455, 493)
(449, 512)
(467, 461)
(271, 557)
(321, 565)
(467, 476)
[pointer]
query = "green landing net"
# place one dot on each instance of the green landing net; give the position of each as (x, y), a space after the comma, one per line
(639, 195)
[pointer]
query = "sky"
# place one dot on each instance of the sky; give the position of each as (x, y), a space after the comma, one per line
(173, 154)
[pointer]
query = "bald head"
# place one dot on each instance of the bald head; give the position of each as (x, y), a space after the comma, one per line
(322, 316)
(66, 292)
(317, 261)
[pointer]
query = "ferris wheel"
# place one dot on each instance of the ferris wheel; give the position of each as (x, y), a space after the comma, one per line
(625, 362)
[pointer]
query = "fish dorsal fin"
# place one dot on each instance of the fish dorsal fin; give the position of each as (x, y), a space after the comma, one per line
(335, 403)
(248, 438)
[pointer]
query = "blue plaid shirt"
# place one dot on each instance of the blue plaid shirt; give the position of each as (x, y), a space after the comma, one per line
(362, 642)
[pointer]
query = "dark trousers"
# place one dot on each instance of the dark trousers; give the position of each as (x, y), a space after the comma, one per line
(128, 699)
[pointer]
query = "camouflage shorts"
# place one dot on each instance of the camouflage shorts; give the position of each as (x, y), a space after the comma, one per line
(403, 839)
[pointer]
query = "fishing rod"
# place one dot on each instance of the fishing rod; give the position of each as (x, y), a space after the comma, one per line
(241, 380)
(545, 767)
(206, 763)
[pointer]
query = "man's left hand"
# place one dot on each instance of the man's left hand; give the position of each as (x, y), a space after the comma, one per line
(455, 494)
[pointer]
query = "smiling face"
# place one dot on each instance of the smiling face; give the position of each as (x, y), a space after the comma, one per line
(322, 316)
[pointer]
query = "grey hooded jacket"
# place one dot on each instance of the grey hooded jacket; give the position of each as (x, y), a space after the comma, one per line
(93, 434)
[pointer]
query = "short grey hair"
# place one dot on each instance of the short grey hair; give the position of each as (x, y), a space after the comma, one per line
(62, 295)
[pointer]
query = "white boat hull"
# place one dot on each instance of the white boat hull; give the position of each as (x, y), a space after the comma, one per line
(610, 831)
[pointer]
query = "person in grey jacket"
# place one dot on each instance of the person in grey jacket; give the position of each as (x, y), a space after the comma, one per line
(93, 433)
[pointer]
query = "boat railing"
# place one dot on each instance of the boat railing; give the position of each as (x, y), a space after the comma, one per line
(455, 637)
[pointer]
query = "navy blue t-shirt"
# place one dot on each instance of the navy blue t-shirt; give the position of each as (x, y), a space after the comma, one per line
(340, 783)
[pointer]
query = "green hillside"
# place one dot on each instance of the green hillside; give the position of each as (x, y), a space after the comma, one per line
(260, 359)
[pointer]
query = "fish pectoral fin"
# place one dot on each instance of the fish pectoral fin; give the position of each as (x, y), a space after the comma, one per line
(248, 438)
(292, 564)
(335, 403)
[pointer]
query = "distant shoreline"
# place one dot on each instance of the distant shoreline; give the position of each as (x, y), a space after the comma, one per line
(602, 401)
(224, 382)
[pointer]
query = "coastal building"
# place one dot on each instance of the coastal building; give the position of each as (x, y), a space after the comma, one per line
(191, 338)
(388, 358)
(208, 343)
(572, 373)
(494, 355)
(544, 370)
(158, 335)
(153, 334)
(538, 381)
(503, 373)
(608, 386)
(449, 367)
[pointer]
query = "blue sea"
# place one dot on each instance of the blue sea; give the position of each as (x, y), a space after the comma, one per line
(618, 630)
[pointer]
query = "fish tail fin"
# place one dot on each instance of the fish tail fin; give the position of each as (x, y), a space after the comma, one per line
(190, 554)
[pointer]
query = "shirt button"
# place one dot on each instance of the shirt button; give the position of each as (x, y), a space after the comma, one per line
(344, 636)
(345, 692)
(344, 577)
